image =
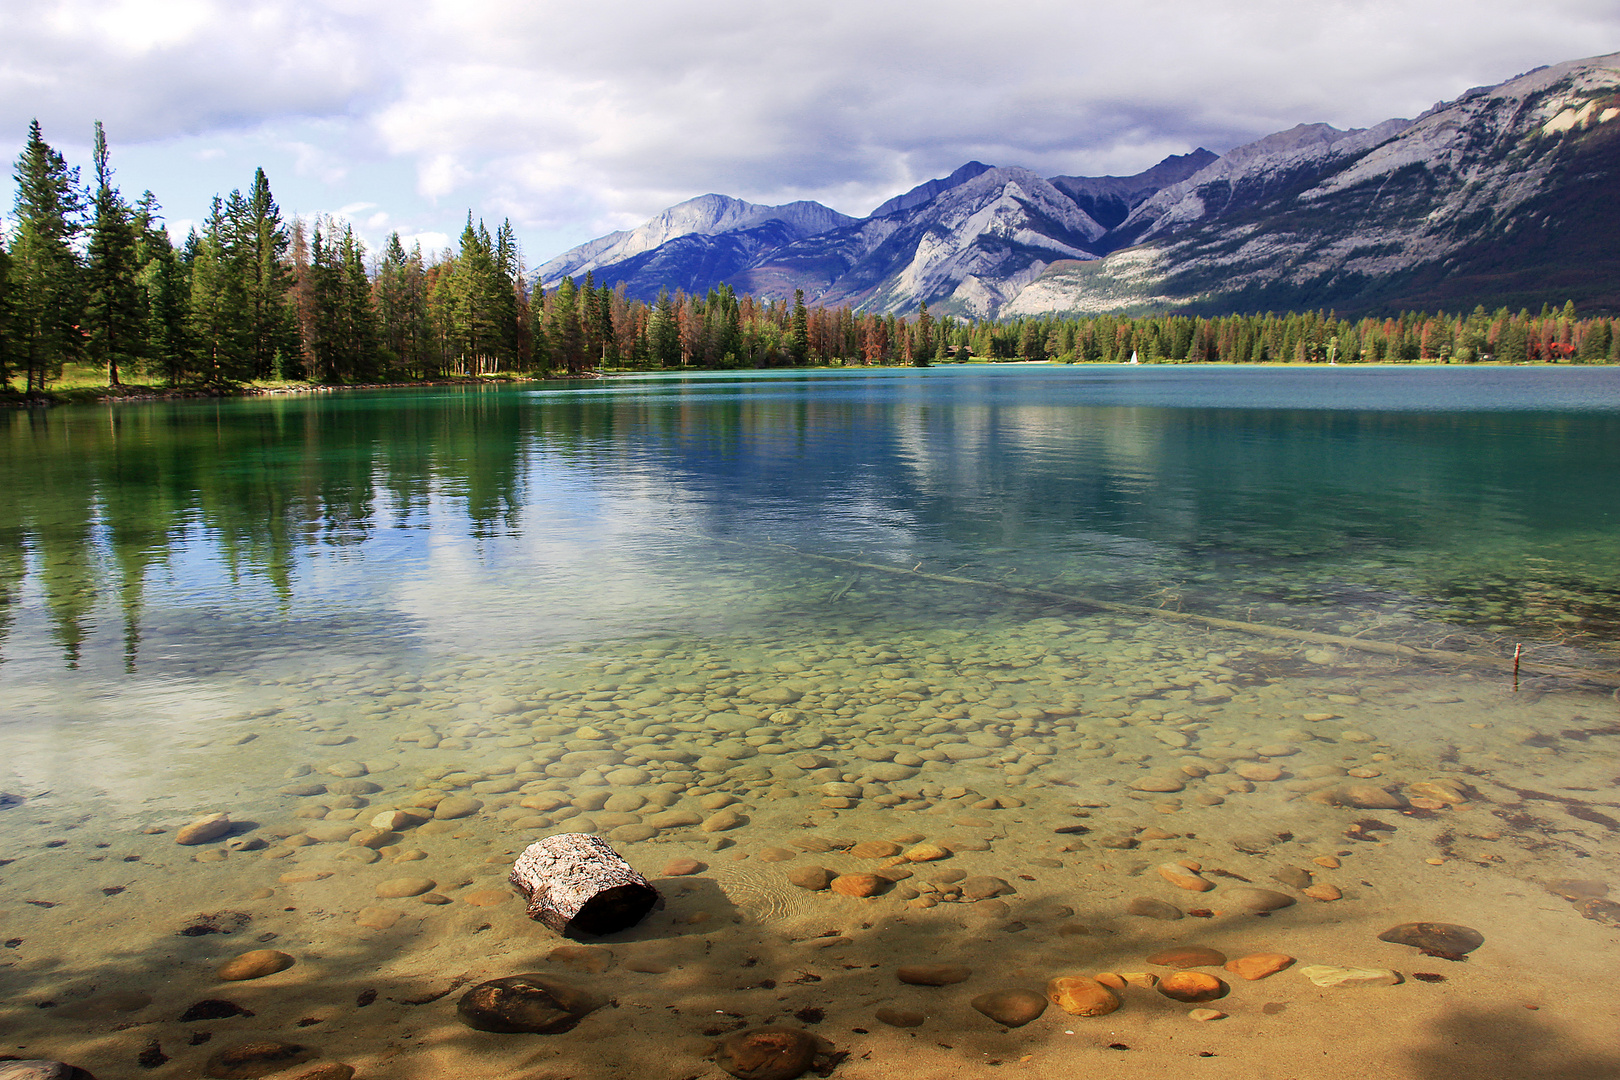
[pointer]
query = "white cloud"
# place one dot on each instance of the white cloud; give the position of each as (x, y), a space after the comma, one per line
(575, 119)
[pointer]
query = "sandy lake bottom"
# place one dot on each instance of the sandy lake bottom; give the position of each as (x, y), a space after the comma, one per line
(1012, 783)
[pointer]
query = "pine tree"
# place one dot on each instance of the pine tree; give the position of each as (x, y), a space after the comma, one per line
(923, 351)
(166, 289)
(400, 299)
(567, 339)
(115, 310)
(219, 323)
(663, 332)
(47, 286)
(8, 333)
(798, 337)
(259, 244)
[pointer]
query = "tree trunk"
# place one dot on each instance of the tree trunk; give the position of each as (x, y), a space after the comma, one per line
(577, 884)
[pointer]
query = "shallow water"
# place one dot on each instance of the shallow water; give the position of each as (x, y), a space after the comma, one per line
(617, 607)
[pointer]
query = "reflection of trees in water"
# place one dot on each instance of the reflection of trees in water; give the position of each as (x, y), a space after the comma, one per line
(100, 498)
(1269, 504)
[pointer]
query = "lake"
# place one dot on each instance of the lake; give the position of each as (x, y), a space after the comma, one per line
(985, 646)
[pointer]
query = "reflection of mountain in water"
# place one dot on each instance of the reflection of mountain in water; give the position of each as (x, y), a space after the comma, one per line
(1016, 470)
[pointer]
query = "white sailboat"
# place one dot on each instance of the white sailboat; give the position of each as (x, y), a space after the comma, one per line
(1134, 360)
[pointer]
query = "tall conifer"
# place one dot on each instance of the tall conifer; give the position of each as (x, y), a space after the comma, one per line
(47, 279)
(115, 311)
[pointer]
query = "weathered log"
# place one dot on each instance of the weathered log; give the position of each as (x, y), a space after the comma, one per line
(577, 883)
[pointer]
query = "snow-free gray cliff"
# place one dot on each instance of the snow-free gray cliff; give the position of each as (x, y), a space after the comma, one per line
(1502, 196)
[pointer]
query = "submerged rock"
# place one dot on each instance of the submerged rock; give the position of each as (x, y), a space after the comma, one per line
(204, 829)
(1011, 1008)
(247, 1061)
(254, 965)
(1446, 940)
(1192, 986)
(770, 1053)
(525, 1004)
(1081, 996)
(1328, 976)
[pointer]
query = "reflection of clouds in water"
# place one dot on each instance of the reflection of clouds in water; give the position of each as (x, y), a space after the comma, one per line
(117, 745)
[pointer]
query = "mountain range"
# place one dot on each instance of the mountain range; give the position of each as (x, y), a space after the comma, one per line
(1502, 196)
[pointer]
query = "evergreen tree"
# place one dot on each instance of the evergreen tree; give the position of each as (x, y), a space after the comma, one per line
(219, 323)
(923, 351)
(566, 336)
(48, 297)
(166, 289)
(663, 332)
(258, 248)
(540, 350)
(401, 302)
(798, 337)
(8, 334)
(115, 310)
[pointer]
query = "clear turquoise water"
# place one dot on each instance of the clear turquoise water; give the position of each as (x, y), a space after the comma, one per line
(238, 605)
(171, 536)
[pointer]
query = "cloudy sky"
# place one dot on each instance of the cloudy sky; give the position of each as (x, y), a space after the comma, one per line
(574, 119)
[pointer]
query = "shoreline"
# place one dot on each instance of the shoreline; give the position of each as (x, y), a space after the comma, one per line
(96, 395)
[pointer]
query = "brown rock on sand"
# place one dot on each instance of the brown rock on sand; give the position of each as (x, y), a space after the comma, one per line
(245, 1061)
(204, 829)
(254, 965)
(814, 878)
(1446, 940)
(900, 1018)
(1192, 986)
(1183, 878)
(1259, 965)
(859, 885)
(1080, 996)
(1148, 908)
(933, 974)
(1253, 900)
(1011, 1008)
(683, 868)
(1188, 956)
(770, 1053)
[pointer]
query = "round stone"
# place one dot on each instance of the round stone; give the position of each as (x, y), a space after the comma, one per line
(1183, 878)
(1446, 940)
(927, 853)
(900, 1018)
(1011, 1008)
(1081, 996)
(1192, 986)
(859, 885)
(395, 888)
(529, 1003)
(933, 974)
(767, 1053)
(204, 829)
(247, 1061)
(254, 965)
(683, 867)
(1253, 900)
(814, 878)
(1148, 908)
(1259, 965)
(1188, 956)
(457, 806)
